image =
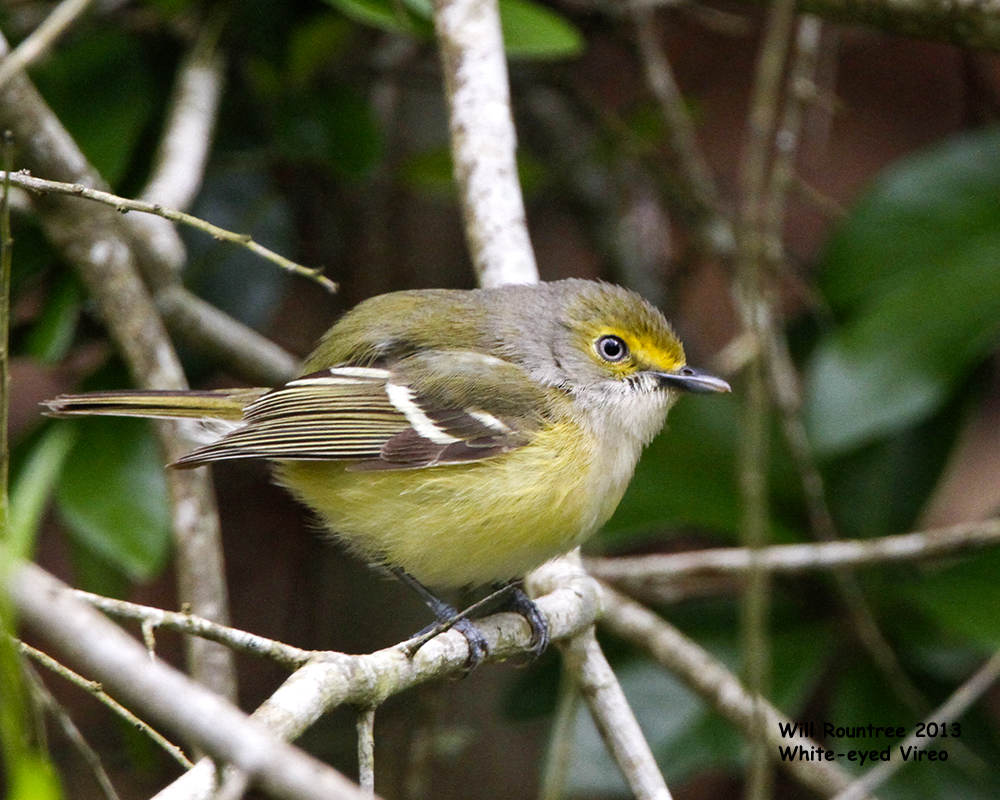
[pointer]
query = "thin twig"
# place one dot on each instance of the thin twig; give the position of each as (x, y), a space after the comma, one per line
(969, 25)
(44, 699)
(100, 647)
(756, 294)
(560, 752)
(42, 38)
(230, 342)
(326, 681)
(124, 205)
(784, 379)
(801, 87)
(284, 654)
(95, 690)
(686, 161)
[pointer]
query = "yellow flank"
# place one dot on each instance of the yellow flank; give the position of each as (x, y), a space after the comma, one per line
(465, 524)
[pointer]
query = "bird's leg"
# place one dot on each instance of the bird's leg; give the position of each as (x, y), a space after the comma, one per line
(506, 597)
(511, 596)
(447, 617)
(519, 602)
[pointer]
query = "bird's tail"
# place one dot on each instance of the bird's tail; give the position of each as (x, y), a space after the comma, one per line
(221, 404)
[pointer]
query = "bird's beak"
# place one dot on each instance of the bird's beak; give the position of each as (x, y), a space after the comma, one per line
(689, 379)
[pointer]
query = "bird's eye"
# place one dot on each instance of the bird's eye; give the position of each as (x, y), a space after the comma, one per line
(611, 348)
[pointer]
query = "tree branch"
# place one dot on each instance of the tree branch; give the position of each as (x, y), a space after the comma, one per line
(103, 251)
(483, 140)
(613, 717)
(96, 690)
(123, 205)
(686, 161)
(99, 647)
(646, 571)
(566, 596)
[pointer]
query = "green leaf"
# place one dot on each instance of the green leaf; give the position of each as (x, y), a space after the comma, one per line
(962, 598)
(313, 45)
(53, 332)
(336, 126)
(385, 14)
(914, 275)
(34, 778)
(531, 31)
(33, 485)
(113, 495)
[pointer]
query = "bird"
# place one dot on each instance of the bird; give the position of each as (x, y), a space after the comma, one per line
(458, 438)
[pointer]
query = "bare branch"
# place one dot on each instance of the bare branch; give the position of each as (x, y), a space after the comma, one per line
(560, 751)
(756, 296)
(366, 750)
(284, 654)
(483, 140)
(96, 690)
(220, 336)
(687, 162)
(99, 647)
(613, 717)
(793, 558)
(966, 23)
(123, 204)
(105, 253)
(44, 698)
(566, 596)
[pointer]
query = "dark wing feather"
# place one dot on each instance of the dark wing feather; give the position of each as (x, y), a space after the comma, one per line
(405, 417)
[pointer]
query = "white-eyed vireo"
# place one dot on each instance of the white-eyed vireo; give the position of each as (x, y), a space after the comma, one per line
(461, 437)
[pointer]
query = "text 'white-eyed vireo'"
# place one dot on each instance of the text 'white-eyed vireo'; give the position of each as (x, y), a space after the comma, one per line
(460, 438)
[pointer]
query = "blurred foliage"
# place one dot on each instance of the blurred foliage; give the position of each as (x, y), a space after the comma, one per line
(113, 495)
(912, 276)
(909, 278)
(100, 77)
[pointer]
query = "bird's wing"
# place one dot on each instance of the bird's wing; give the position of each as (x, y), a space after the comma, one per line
(432, 408)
